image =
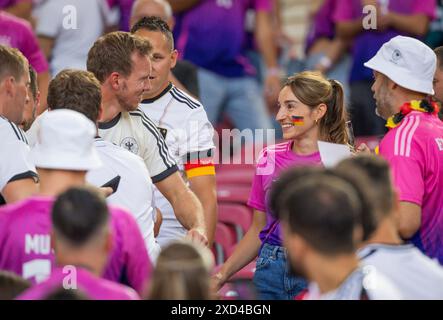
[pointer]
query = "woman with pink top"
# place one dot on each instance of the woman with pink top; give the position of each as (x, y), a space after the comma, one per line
(311, 108)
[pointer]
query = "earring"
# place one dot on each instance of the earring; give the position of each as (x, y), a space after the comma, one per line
(316, 121)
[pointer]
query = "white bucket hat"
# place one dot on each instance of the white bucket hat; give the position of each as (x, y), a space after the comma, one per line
(408, 62)
(65, 141)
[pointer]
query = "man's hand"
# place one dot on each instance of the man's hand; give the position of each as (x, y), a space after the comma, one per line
(198, 235)
(363, 149)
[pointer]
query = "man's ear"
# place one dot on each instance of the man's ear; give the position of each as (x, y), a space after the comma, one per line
(174, 56)
(114, 80)
(9, 85)
(391, 84)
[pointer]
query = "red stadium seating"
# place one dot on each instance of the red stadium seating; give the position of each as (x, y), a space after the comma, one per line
(235, 176)
(233, 193)
(222, 242)
(236, 216)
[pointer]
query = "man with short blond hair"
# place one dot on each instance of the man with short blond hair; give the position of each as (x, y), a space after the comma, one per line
(18, 176)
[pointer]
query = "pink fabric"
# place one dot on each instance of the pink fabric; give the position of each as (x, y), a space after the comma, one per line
(92, 287)
(25, 247)
(17, 33)
(414, 150)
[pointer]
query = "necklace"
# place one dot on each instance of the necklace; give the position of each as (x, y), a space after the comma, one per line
(423, 106)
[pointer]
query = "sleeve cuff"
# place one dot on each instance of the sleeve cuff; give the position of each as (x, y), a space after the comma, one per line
(164, 174)
(25, 175)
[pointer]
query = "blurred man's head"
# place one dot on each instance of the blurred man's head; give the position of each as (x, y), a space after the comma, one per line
(33, 103)
(379, 174)
(326, 226)
(81, 234)
(163, 56)
(14, 84)
(120, 61)
(76, 90)
(438, 78)
(156, 8)
(12, 285)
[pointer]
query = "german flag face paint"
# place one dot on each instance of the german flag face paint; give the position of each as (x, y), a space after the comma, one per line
(298, 120)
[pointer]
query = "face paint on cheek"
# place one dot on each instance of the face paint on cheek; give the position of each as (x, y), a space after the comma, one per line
(298, 120)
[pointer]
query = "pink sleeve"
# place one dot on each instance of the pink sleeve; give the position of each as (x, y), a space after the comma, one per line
(407, 172)
(263, 5)
(257, 197)
(138, 264)
(31, 50)
(427, 7)
(343, 11)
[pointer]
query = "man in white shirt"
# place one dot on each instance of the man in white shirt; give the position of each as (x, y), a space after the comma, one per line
(322, 234)
(18, 176)
(416, 275)
(183, 122)
(80, 91)
(120, 61)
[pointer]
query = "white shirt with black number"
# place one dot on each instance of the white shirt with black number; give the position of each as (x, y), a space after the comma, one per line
(135, 132)
(184, 124)
(135, 190)
(14, 154)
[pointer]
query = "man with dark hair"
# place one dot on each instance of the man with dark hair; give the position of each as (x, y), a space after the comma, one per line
(120, 61)
(321, 236)
(33, 104)
(18, 177)
(184, 74)
(415, 274)
(185, 127)
(82, 242)
(11, 285)
(64, 153)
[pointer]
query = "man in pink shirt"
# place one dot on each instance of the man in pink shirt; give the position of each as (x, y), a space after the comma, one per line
(82, 240)
(64, 153)
(404, 70)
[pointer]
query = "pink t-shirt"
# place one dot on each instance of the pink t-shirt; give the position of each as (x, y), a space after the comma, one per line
(25, 244)
(414, 150)
(273, 160)
(17, 33)
(92, 287)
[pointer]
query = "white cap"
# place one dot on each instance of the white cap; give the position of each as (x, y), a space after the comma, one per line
(408, 62)
(65, 141)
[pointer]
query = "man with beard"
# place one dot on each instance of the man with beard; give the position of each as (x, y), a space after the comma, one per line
(120, 61)
(404, 70)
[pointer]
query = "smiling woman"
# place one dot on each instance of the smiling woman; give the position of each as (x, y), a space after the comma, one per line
(311, 108)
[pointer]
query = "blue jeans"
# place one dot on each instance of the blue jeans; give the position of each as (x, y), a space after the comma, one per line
(241, 98)
(272, 279)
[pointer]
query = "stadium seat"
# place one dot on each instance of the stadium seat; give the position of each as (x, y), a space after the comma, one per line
(235, 176)
(233, 193)
(222, 242)
(236, 216)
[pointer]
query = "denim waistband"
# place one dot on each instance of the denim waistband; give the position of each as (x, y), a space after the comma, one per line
(273, 252)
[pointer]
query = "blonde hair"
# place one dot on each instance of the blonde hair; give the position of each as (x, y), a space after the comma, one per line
(182, 272)
(313, 89)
